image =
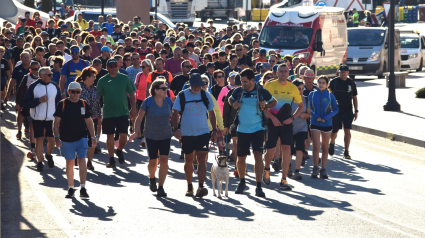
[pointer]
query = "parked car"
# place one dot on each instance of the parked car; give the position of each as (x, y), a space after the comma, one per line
(412, 51)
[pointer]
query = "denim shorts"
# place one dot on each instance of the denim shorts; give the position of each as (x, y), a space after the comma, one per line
(79, 147)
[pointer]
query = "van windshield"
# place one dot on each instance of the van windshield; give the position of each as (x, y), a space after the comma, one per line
(365, 37)
(285, 37)
(88, 16)
(409, 42)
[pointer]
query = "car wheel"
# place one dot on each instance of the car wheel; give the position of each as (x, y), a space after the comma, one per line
(420, 66)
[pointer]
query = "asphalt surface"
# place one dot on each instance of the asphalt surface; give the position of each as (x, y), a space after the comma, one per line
(378, 193)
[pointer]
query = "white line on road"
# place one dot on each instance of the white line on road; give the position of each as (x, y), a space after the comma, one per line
(386, 149)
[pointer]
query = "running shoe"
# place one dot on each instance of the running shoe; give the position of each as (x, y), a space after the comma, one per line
(89, 165)
(201, 192)
(160, 192)
(120, 155)
(195, 168)
(111, 163)
(297, 176)
(331, 149)
(84, 194)
(259, 192)
(315, 172)
(189, 193)
(239, 189)
(236, 174)
(50, 161)
(284, 185)
(40, 166)
(71, 193)
(152, 184)
(143, 144)
(290, 171)
(323, 174)
(347, 155)
(19, 135)
(266, 177)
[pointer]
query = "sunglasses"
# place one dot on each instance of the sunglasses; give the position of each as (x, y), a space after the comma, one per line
(134, 58)
(188, 66)
(35, 69)
(128, 60)
(75, 91)
(206, 59)
(74, 53)
(220, 76)
(49, 75)
(178, 54)
(162, 88)
(271, 61)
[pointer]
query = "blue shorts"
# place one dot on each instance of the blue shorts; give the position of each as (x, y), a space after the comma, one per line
(69, 149)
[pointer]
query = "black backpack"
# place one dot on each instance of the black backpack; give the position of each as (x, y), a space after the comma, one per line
(183, 101)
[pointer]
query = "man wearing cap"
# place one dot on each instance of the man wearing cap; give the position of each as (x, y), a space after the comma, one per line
(63, 29)
(178, 81)
(74, 117)
(173, 65)
(95, 32)
(71, 70)
(21, 28)
(345, 91)
(114, 88)
(42, 97)
(105, 54)
(264, 67)
(262, 58)
(117, 35)
(143, 50)
(186, 57)
(233, 66)
(195, 132)
(190, 46)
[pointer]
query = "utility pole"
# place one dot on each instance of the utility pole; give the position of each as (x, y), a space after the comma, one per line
(102, 7)
(246, 15)
(54, 8)
(392, 104)
(156, 8)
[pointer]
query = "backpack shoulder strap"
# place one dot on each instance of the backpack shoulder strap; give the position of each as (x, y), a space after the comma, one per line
(169, 101)
(84, 104)
(148, 102)
(205, 99)
(182, 101)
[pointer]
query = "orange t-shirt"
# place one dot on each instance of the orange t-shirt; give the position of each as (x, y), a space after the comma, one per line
(164, 73)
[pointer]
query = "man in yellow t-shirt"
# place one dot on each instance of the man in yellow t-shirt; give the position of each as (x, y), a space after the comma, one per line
(280, 121)
(83, 23)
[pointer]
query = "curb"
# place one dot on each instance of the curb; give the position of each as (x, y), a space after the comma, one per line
(390, 136)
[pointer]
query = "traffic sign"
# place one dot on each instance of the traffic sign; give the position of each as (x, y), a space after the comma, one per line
(321, 4)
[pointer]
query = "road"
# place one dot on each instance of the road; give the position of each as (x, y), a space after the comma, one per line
(378, 193)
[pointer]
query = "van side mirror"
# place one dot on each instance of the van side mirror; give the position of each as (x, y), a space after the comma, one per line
(319, 46)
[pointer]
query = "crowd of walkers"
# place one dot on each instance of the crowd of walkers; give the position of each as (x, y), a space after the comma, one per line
(70, 83)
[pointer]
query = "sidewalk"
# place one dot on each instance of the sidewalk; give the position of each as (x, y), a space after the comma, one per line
(407, 125)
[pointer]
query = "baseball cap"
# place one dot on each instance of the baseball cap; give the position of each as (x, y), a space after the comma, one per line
(275, 67)
(42, 33)
(210, 64)
(185, 51)
(106, 48)
(147, 29)
(309, 73)
(74, 85)
(163, 51)
(51, 13)
(257, 66)
(265, 65)
(263, 52)
(233, 74)
(23, 19)
(196, 80)
(238, 80)
(182, 38)
(343, 67)
(96, 27)
(64, 26)
(111, 62)
(117, 26)
(75, 49)
(194, 71)
(104, 29)
(120, 41)
(63, 35)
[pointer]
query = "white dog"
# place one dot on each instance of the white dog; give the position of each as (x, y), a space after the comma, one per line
(220, 171)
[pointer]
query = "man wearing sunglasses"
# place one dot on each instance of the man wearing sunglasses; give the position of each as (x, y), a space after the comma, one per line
(114, 88)
(178, 82)
(228, 35)
(42, 97)
(71, 70)
(132, 71)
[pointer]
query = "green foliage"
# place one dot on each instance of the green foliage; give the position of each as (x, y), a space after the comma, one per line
(420, 93)
(46, 6)
(29, 3)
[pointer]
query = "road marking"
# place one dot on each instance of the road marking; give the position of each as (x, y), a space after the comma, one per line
(386, 149)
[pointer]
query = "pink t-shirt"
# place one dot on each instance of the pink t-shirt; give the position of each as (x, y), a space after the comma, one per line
(141, 79)
(173, 66)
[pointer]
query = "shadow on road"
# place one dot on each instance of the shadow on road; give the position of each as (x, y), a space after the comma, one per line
(89, 209)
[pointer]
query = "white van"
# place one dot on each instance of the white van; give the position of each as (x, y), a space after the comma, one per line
(318, 34)
(412, 51)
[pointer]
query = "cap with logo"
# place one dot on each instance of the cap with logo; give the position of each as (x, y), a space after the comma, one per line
(194, 71)
(64, 26)
(74, 85)
(196, 80)
(111, 62)
(343, 67)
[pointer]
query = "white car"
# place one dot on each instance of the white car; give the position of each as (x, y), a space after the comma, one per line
(93, 14)
(412, 51)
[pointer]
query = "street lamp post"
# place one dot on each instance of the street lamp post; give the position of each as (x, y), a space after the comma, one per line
(392, 104)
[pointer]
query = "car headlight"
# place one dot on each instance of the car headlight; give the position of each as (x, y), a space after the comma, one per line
(412, 56)
(375, 55)
(304, 55)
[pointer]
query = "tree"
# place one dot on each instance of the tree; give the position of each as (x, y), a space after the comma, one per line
(46, 5)
(29, 3)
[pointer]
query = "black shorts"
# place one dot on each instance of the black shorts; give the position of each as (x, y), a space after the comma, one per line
(299, 140)
(324, 129)
(342, 118)
(232, 133)
(119, 123)
(245, 140)
(198, 143)
(3, 83)
(154, 145)
(284, 132)
(139, 104)
(89, 140)
(40, 126)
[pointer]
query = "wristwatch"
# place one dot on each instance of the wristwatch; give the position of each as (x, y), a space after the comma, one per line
(214, 130)
(175, 129)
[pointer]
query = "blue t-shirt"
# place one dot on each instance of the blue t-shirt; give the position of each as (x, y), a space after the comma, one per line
(56, 77)
(110, 27)
(18, 74)
(74, 70)
(250, 119)
(194, 120)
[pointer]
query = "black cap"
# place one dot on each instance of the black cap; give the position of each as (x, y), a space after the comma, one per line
(238, 80)
(104, 29)
(117, 26)
(185, 51)
(194, 71)
(196, 80)
(111, 62)
(343, 67)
